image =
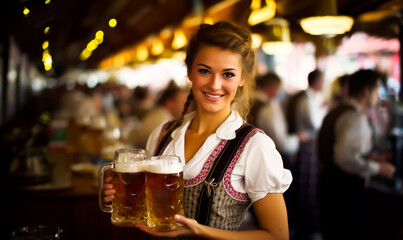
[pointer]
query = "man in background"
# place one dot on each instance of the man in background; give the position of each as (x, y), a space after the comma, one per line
(304, 112)
(344, 150)
(169, 106)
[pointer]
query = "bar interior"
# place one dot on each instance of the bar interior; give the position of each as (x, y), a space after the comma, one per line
(79, 79)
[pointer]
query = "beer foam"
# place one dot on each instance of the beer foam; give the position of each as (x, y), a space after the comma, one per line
(132, 167)
(130, 156)
(164, 167)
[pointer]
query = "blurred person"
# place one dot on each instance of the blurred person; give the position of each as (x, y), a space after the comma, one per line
(267, 114)
(305, 112)
(169, 107)
(305, 109)
(341, 92)
(344, 150)
(229, 165)
(142, 102)
(123, 100)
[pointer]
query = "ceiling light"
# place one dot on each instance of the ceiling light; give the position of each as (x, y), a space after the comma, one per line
(142, 53)
(208, 20)
(327, 25)
(260, 14)
(45, 45)
(276, 37)
(112, 23)
(46, 30)
(99, 35)
(179, 40)
(25, 11)
(326, 22)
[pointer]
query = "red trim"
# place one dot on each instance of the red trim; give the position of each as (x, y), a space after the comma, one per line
(206, 167)
(227, 177)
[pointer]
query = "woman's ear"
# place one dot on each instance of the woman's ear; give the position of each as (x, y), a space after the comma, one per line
(241, 83)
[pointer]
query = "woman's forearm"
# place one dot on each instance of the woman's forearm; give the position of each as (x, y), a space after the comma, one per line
(214, 233)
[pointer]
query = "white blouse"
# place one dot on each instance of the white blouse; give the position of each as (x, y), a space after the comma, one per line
(353, 141)
(258, 171)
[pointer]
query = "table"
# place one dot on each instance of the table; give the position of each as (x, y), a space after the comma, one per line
(72, 207)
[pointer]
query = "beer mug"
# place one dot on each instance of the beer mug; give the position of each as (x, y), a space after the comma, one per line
(164, 192)
(128, 173)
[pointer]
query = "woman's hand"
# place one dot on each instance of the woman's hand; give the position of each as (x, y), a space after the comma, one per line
(190, 228)
(109, 191)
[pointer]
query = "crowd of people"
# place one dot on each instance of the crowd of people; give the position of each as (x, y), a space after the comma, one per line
(317, 155)
(329, 150)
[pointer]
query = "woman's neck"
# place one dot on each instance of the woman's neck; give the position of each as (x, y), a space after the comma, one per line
(208, 122)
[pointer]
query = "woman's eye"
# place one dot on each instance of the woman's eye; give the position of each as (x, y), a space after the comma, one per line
(203, 71)
(229, 75)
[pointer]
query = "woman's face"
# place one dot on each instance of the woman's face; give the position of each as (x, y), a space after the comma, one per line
(216, 75)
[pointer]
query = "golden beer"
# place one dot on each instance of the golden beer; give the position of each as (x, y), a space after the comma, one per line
(129, 203)
(164, 192)
(128, 172)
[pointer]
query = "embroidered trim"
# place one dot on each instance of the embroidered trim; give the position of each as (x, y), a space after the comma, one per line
(163, 129)
(227, 176)
(206, 167)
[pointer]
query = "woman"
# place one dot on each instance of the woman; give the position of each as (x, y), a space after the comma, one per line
(220, 61)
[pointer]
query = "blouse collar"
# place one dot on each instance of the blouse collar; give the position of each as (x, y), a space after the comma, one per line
(225, 131)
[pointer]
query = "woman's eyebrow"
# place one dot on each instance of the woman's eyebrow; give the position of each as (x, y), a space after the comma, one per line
(201, 64)
(227, 69)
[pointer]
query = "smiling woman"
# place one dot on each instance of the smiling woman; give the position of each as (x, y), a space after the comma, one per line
(230, 165)
(216, 76)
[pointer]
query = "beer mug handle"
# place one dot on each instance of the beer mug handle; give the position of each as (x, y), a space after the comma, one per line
(101, 174)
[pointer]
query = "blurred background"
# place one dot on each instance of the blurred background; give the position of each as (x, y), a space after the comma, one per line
(78, 78)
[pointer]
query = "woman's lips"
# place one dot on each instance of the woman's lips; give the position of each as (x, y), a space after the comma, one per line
(212, 96)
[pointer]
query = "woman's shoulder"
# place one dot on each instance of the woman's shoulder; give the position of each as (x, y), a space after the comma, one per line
(259, 142)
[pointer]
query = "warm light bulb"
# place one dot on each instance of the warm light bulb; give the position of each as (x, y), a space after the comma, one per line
(85, 54)
(179, 40)
(157, 47)
(46, 30)
(47, 1)
(45, 45)
(92, 45)
(142, 53)
(113, 23)
(208, 20)
(327, 25)
(99, 35)
(25, 11)
(262, 14)
(47, 67)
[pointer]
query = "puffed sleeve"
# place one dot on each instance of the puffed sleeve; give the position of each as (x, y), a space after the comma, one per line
(264, 171)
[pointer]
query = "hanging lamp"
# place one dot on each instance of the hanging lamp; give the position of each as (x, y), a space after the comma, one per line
(327, 23)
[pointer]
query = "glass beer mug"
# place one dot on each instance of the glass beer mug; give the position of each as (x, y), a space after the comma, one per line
(128, 173)
(164, 192)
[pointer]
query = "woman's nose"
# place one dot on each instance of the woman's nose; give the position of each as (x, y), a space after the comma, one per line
(215, 82)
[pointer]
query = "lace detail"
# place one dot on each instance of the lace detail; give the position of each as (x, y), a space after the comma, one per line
(206, 167)
(227, 176)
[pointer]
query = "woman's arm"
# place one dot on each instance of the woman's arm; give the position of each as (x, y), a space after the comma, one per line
(270, 211)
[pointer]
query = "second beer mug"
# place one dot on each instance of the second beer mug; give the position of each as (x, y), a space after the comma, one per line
(164, 192)
(128, 173)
